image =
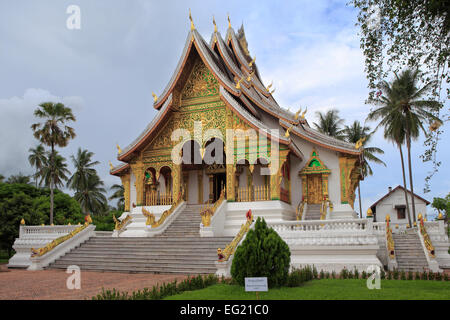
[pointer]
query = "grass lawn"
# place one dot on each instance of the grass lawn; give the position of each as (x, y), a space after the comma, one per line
(329, 289)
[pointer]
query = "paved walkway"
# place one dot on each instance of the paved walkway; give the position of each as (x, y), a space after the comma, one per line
(51, 284)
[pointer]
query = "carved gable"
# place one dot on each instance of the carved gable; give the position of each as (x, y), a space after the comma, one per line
(201, 83)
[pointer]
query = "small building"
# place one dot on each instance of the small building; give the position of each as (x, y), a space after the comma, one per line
(394, 204)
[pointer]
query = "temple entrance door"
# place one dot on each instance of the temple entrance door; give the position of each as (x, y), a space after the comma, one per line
(219, 183)
(314, 188)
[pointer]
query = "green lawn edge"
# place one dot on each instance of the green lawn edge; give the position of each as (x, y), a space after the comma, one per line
(329, 289)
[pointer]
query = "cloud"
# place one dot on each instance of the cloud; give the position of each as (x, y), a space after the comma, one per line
(16, 136)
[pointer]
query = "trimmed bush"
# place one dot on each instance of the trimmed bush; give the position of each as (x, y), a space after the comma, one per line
(299, 276)
(262, 254)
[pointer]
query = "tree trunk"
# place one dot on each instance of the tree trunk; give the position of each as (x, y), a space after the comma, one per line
(359, 197)
(408, 145)
(52, 168)
(404, 185)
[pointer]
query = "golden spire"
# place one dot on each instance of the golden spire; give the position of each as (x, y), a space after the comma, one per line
(111, 165)
(22, 222)
(297, 113)
(155, 97)
(229, 22)
(118, 149)
(192, 21)
(252, 62)
(359, 143)
(238, 84)
(215, 25)
(287, 133)
(250, 76)
(304, 113)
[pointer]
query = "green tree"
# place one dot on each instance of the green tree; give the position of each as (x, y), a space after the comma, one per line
(19, 201)
(353, 134)
(2, 177)
(442, 205)
(402, 33)
(119, 195)
(18, 178)
(330, 123)
(56, 176)
(393, 122)
(37, 159)
(92, 197)
(262, 254)
(53, 131)
(83, 169)
(417, 112)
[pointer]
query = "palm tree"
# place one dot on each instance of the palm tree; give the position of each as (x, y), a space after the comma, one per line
(2, 177)
(91, 197)
(53, 131)
(37, 159)
(118, 194)
(57, 175)
(19, 178)
(416, 112)
(83, 169)
(330, 123)
(353, 134)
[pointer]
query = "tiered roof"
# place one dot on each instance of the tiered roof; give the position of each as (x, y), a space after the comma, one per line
(241, 88)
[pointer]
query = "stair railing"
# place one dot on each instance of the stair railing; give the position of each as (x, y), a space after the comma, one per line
(119, 225)
(165, 214)
(207, 212)
(50, 246)
(426, 237)
(225, 254)
(389, 239)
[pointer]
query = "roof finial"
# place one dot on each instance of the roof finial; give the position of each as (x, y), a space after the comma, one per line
(238, 84)
(192, 21)
(215, 25)
(252, 62)
(155, 97)
(229, 22)
(118, 149)
(297, 114)
(269, 86)
(111, 166)
(304, 113)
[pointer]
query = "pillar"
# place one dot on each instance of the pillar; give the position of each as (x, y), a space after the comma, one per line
(275, 177)
(200, 186)
(231, 177)
(176, 181)
(126, 191)
(138, 171)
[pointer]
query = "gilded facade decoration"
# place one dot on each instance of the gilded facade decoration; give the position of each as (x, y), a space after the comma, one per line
(349, 177)
(138, 171)
(201, 82)
(126, 190)
(315, 179)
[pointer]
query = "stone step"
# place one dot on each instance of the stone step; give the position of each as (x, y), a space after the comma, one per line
(130, 269)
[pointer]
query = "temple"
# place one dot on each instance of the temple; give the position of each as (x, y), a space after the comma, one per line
(219, 153)
(217, 87)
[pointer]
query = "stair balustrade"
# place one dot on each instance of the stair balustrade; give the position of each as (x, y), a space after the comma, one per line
(300, 208)
(389, 239)
(208, 211)
(426, 237)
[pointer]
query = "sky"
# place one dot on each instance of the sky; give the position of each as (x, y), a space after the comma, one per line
(125, 50)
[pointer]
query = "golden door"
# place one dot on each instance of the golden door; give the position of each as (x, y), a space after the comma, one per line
(314, 188)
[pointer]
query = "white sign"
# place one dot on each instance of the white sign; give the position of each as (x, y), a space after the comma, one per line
(256, 284)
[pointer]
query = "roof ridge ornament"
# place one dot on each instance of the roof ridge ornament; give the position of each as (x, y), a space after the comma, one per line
(215, 25)
(250, 76)
(297, 114)
(238, 84)
(269, 86)
(304, 113)
(119, 151)
(111, 166)
(192, 21)
(155, 97)
(229, 21)
(252, 62)
(287, 133)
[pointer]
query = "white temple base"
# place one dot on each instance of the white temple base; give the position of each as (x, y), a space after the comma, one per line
(343, 211)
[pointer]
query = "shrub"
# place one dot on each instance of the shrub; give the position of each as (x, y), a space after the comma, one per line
(389, 275)
(262, 254)
(364, 275)
(356, 274)
(417, 277)
(445, 277)
(344, 273)
(438, 276)
(160, 291)
(333, 275)
(322, 274)
(350, 275)
(402, 275)
(395, 275)
(297, 277)
(410, 275)
(315, 274)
